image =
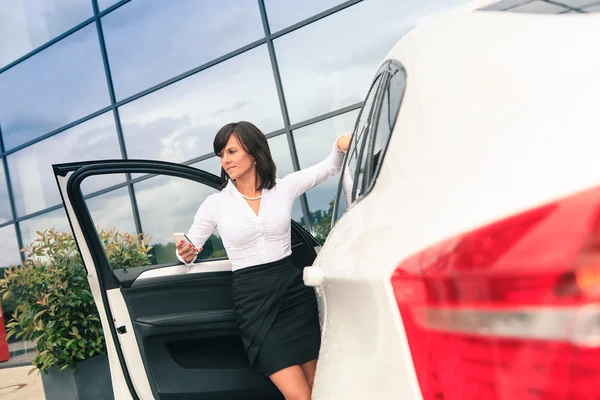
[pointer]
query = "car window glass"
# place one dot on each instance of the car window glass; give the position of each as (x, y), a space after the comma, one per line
(361, 128)
(166, 205)
(371, 136)
(388, 113)
(356, 147)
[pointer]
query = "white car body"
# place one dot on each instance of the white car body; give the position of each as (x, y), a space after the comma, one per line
(498, 117)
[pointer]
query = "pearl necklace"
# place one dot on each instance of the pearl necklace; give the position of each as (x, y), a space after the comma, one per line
(252, 198)
(248, 198)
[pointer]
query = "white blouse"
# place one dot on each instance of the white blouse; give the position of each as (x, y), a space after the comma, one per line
(251, 239)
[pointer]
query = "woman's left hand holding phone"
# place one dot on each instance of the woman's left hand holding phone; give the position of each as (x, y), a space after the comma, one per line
(186, 250)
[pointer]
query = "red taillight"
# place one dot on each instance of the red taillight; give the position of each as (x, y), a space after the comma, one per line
(510, 311)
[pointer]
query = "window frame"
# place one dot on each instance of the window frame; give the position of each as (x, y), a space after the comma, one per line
(382, 79)
(375, 85)
(392, 67)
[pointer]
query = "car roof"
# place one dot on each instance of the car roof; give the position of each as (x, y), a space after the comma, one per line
(472, 70)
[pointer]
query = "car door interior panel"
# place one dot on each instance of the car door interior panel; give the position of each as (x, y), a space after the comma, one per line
(190, 341)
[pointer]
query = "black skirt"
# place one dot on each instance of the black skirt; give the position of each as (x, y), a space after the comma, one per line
(277, 315)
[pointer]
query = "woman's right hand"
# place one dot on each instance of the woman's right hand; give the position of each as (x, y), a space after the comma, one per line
(187, 251)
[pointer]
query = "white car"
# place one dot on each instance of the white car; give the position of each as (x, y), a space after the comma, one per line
(466, 264)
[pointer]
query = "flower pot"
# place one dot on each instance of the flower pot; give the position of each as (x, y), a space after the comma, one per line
(91, 380)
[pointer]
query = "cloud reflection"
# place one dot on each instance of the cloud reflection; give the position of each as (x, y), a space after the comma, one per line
(60, 85)
(179, 122)
(28, 24)
(8, 247)
(33, 182)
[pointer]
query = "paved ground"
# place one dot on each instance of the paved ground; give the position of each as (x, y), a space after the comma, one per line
(21, 360)
(15, 384)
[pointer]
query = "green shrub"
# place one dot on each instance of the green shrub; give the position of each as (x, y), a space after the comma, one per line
(55, 307)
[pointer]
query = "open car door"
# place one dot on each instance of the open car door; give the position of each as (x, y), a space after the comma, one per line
(170, 329)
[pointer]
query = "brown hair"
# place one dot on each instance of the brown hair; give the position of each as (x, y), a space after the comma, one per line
(254, 143)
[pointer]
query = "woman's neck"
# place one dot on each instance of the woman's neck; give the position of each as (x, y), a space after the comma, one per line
(247, 185)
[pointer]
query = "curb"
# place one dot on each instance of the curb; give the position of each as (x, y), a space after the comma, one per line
(22, 351)
(8, 364)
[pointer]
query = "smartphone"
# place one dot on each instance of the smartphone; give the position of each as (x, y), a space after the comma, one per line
(183, 236)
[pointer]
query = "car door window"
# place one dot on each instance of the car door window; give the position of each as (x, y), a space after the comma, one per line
(371, 136)
(361, 127)
(355, 149)
(166, 205)
(385, 117)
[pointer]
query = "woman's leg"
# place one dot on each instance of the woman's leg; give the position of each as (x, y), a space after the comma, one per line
(309, 370)
(292, 383)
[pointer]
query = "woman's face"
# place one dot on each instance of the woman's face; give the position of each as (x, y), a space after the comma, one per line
(235, 160)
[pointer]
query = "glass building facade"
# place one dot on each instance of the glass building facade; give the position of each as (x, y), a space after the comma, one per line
(151, 79)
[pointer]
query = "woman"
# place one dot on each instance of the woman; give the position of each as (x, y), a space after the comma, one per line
(277, 314)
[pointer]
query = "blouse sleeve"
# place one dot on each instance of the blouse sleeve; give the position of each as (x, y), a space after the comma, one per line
(203, 226)
(306, 179)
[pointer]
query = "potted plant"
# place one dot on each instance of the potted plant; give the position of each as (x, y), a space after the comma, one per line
(55, 309)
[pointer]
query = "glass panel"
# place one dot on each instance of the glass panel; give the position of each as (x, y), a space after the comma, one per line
(297, 214)
(168, 205)
(112, 210)
(31, 173)
(56, 219)
(212, 165)
(359, 141)
(283, 13)
(190, 33)
(27, 24)
(61, 84)
(9, 248)
(504, 5)
(313, 144)
(104, 4)
(5, 213)
(539, 7)
(9, 256)
(280, 151)
(592, 9)
(180, 121)
(577, 3)
(390, 107)
(336, 57)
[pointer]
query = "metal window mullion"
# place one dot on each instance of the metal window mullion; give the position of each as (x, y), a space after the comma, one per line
(60, 37)
(568, 7)
(11, 197)
(113, 102)
(315, 18)
(283, 106)
(58, 130)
